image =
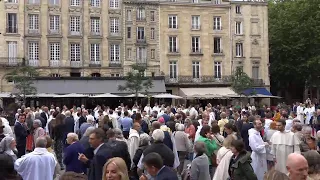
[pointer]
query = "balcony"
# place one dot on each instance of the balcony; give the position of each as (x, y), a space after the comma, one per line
(195, 27)
(33, 62)
(95, 63)
(141, 62)
(11, 62)
(75, 64)
(33, 32)
(196, 52)
(114, 63)
(11, 30)
(200, 80)
(54, 63)
(257, 82)
(141, 18)
(141, 41)
(173, 52)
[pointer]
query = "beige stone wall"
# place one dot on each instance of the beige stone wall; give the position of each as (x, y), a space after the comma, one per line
(254, 16)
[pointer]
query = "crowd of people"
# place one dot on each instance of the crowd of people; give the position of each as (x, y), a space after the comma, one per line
(162, 143)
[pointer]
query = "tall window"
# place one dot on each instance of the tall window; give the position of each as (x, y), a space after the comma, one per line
(141, 55)
(173, 44)
(217, 1)
(12, 23)
(141, 14)
(54, 51)
(12, 1)
(195, 22)
(12, 51)
(114, 4)
(238, 9)
(173, 22)
(129, 15)
(34, 22)
(54, 25)
(129, 32)
(75, 52)
(140, 33)
(196, 44)
(95, 25)
(239, 28)
(129, 53)
(74, 2)
(152, 16)
(217, 45)
(196, 69)
(114, 25)
(152, 33)
(115, 53)
(239, 50)
(95, 3)
(54, 2)
(33, 50)
(33, 1)
(153, 53)
(173, 70)
(217, 70)
(95, 52)
(217, 23)
(75, 25)
(195, 1)
(255, 72)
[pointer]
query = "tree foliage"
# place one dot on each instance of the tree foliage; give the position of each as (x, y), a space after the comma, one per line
(136, 82)
(294, 37)
(23, 81)
(240, 81)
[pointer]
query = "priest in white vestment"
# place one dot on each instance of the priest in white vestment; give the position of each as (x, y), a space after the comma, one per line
(300, 113)
(37, 165)
(134, 139)
(283, 143)
(259, 153)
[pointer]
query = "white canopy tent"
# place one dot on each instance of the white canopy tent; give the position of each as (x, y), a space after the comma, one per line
(166, 95)
(71, 95)
(42, 95)
(134, 95)
(105, 95)
(5, 95)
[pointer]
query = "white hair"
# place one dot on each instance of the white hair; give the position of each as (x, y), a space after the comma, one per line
(90, 119)
(158, 135)
(306, 129)
(73, 136)
(180, 127)
(67, 113)
(38, 122)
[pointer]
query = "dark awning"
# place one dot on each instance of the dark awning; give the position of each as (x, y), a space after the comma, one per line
(257, 91)
(62, 86)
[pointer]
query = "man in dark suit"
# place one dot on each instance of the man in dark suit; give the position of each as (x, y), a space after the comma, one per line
(45, 114)
(69, 122)
(118, 148)
(83, 117)
(20, 130)
(154, 166)
(101, 155)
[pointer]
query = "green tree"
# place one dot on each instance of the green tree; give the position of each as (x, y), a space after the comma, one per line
(136, 82)
(240, 81)
(23, 78)
(294, 38)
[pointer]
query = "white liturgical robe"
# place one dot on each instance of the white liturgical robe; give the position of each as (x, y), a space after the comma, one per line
(259, 153)
(283, 144)
(133, 142)
(37, 165)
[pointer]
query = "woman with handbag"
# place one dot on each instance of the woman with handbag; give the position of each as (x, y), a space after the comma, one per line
(211, 146)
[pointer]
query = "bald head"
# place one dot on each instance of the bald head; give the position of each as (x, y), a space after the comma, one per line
(297, 166)
(136, 126)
